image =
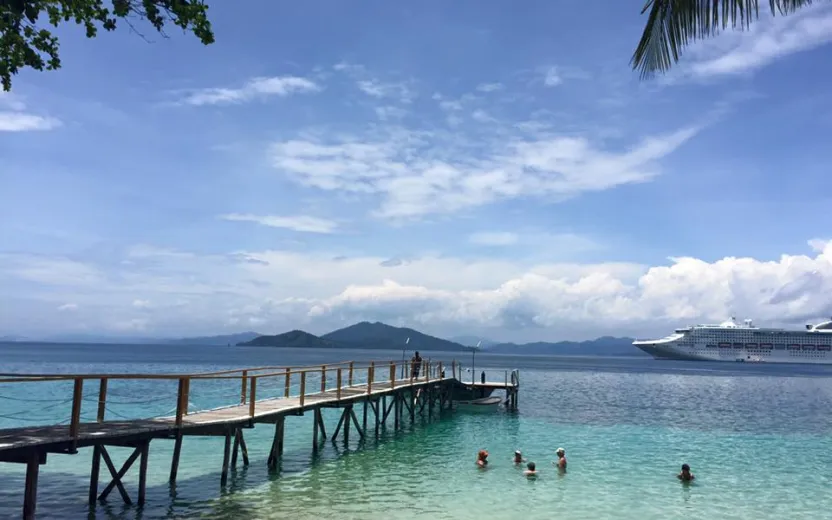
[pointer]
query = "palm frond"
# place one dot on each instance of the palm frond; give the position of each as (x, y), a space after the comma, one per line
(674, 24)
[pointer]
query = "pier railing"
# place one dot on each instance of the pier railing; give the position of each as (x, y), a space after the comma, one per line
(254, 384)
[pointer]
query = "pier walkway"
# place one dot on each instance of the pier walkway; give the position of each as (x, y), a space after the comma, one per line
(377, 389)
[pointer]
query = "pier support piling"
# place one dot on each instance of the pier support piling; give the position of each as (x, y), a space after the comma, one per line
(30, 495)
(174, 462)
(226, 455)
(277, 443)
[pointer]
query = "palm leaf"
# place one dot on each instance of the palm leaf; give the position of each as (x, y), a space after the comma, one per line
(673, 24)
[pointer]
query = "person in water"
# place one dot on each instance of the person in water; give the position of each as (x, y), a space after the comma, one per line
(482, 458)
(685, 475)
(561, 462)
(530, 470)
(518, 457)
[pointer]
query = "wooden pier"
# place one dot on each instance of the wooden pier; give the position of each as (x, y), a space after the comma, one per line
(375, 389)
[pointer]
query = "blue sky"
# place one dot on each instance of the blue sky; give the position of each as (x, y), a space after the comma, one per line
(464, 168)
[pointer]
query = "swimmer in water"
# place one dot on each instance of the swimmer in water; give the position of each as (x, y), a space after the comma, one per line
(518, 457)
(530, 471)
(482, 458)
(685, 475)
(561, 462)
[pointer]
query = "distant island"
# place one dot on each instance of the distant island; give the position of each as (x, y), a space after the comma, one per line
(367, 335)
(364, 335)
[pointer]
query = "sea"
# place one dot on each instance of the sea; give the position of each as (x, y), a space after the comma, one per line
(757, 437)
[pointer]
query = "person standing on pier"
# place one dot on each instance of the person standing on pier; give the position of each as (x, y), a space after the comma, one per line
(415, 365)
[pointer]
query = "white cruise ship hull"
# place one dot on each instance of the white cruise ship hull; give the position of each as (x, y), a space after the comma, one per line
(746, 344)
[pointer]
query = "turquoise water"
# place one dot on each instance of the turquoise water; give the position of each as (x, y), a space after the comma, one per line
(757, 438)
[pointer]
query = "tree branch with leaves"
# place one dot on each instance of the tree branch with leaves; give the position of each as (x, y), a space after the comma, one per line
(24, 42)
(673, 24)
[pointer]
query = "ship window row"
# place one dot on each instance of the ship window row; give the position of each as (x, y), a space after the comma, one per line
(762, 347)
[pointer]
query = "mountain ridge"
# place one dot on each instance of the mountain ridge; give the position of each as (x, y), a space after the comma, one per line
(377, 335)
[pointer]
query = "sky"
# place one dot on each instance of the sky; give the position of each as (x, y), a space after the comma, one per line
(463, 168)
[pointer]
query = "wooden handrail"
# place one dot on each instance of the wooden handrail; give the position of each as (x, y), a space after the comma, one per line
(7, 377)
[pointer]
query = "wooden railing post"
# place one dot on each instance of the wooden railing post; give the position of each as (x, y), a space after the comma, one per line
(349, 378)
(323, 378)
(453, 368)
(371, 373)
(187, 396)
(252, 396)
(392, 375)
(338, 385)
(288, 381)
(302, 386)
(102, 399)
(77, 397)
(426, 368)
(243, 385)
(181, 407)
(441, 373)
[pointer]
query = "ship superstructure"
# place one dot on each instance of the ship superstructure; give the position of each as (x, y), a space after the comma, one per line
(744, 342)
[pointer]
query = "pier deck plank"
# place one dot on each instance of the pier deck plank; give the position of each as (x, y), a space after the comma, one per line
(57, 438)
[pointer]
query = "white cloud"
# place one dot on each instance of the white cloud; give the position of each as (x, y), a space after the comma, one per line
(302, 223)
(418, 173)
(490, 87)
(14, 119)
(494, 238)
(379, 89)
(552, 77)
(22, 122)
(439, 294)
(68, 307)
(141, 304)
(771, 38)
(482, 116)
(255, 88)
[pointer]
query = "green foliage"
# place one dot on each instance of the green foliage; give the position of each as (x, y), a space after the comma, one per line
(25, 43)
(673, 24)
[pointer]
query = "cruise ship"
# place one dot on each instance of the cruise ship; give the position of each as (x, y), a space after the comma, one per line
(732, 341)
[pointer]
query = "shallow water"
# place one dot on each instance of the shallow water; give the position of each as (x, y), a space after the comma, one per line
(757, 438)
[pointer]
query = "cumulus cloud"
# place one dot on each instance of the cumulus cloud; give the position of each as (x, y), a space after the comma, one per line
(443, 295)
(255, 88)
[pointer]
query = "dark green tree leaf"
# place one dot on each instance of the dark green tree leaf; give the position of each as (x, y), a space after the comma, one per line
(24, 42)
